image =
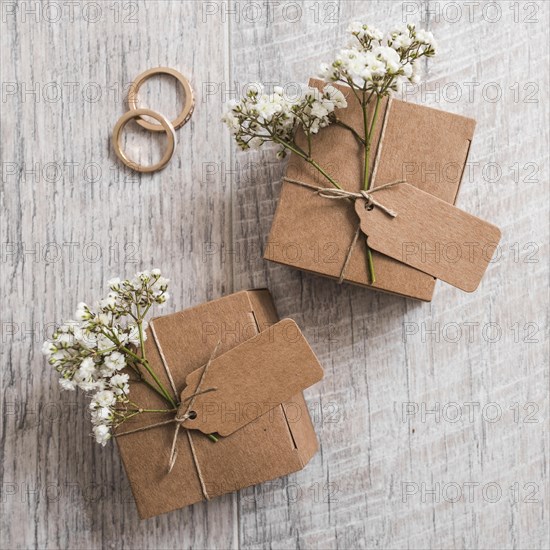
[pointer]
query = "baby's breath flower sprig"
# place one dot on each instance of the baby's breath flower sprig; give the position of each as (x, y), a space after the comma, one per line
(259, 118)
(373, 69)
(373, 66)
(91, 352)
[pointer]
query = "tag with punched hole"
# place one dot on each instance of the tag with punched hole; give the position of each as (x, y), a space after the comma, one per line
(430, 235)
(251, 379)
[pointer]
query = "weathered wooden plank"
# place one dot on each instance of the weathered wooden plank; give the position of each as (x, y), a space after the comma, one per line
(68, 492)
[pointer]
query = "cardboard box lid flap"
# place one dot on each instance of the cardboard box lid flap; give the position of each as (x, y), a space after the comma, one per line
(249, 380)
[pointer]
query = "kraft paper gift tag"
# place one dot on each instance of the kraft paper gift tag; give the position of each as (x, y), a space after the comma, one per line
(429, 234)
(253, 378)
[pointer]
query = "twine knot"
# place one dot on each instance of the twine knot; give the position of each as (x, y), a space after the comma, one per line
(336, 193)
(183, 413)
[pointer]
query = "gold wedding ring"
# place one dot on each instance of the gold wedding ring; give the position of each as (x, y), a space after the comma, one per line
(164, 125)
(188, 106)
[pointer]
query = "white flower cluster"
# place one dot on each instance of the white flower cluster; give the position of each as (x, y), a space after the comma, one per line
(259, 117)
(372, 64)
(91, 352)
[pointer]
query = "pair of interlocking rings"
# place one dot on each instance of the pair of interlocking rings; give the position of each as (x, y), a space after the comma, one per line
(164, 125)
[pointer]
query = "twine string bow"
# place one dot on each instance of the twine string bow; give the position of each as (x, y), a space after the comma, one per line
(337, 194)
(184, 412)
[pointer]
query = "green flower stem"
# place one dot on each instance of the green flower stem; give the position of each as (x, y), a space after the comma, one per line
(370, 136)
(144, 361)
(148, 368)
(139, 410)
(352, 130)
(143, 358)
(140, 360)
(104, 351)
(295, 149)
(140, 328)
(370, 264)
(134, 367)
(367, 180)
(329, 178)
(364, 107)
(126, 418)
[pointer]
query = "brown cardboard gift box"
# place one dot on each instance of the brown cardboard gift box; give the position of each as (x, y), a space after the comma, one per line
(262, 438)
(424, 146)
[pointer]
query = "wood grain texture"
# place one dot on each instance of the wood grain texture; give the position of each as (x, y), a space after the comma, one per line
(72, 217)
